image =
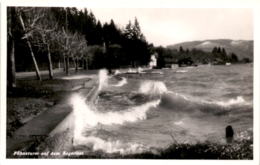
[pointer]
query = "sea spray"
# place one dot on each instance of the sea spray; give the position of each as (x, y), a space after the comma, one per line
(102, 82)
(102, 77)
(117, 72)
(87, 115)
(152, 88)
(109, 146)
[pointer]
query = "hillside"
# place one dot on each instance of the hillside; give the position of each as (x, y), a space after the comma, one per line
(242, 48)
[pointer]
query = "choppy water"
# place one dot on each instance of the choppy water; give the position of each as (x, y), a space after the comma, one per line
(136, 112)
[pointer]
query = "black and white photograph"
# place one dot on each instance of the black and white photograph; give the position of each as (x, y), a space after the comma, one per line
(129, 83)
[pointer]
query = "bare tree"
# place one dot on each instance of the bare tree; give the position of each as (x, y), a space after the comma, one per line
(45, 28)
(73, 47)
(28, 29)
(11, 48)
(78, 49)
(65, 41)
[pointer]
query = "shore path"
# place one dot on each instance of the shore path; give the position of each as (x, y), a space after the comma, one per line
(36, 130)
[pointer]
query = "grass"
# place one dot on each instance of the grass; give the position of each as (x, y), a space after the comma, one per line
(32, 97)
(237, 151)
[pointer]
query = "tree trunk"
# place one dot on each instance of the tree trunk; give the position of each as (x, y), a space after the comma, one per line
(64, 63)
(11, 79)
(76, 65)
(84, 64)
(31, 50)
(34, 61)
(67, 63)
(49, 62)
(11, 66)
(74, 62)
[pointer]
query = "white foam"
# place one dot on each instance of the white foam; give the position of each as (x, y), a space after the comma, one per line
(121, 82)
(117, 72)
(179, 95)
(157, 72)
(181, 71)
(178, 122)
(130, 71)
(153, 88)
(139, 70)
(87, 116)
(239, 100)
(109, 146)
(102, 77)
(77, 77)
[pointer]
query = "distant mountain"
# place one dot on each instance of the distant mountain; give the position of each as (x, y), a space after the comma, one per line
(242, 48)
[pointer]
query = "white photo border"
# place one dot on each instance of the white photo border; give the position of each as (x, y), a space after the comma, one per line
(253, 4)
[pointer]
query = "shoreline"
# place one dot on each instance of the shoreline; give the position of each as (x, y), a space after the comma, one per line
(48, 90)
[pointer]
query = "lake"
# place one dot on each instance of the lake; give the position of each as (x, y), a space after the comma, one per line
(138, 112)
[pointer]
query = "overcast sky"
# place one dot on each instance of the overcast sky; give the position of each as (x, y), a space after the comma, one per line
(166, 26)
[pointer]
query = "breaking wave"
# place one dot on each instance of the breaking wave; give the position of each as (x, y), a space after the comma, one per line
(152, 88)
(181, 104)
(87, 117)
(92, 117)
(239, 100)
